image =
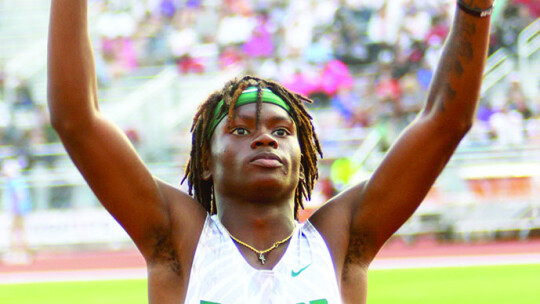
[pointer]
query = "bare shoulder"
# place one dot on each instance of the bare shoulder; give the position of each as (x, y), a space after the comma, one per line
(351, 248)
(334, 221)
(174, 245)
(181, 204)
(171, 257)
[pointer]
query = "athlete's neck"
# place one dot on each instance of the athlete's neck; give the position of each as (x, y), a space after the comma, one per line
(260, 225)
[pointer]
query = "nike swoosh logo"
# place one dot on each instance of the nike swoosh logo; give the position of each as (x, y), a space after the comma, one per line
(297, 273)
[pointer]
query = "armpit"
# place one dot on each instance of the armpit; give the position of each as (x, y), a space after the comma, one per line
(357, 251)
(165, 252)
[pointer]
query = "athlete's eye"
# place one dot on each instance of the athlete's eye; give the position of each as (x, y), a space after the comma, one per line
(281, 132)
(239, 131)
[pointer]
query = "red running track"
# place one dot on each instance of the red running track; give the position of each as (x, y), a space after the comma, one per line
(125, 264)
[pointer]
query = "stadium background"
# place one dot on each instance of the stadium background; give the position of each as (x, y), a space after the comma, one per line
(367, 65)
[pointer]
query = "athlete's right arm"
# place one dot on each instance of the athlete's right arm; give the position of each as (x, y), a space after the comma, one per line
(102, 153)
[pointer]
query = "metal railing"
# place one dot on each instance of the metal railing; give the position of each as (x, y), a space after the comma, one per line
(499, 65)
(528, 43)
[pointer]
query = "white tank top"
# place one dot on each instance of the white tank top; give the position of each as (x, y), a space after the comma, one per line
(220, 274)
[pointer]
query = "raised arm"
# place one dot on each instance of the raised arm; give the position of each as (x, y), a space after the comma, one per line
(373, 211)
(110, 165)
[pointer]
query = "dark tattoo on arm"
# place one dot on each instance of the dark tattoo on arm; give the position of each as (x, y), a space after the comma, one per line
(449, 93)
(465, 49)
(459, 50)
(458, 68)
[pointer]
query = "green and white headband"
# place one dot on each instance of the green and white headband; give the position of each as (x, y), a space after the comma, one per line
(248, 96)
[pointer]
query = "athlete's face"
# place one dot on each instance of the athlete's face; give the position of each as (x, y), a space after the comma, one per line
(263, 157)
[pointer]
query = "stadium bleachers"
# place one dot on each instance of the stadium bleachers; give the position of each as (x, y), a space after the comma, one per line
(489, 190)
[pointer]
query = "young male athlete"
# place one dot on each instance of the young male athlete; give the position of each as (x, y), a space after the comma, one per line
(254, 158)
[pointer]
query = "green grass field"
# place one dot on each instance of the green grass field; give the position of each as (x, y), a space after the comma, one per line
(493, 285)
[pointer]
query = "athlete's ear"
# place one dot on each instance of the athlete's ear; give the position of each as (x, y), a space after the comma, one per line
(206, 173)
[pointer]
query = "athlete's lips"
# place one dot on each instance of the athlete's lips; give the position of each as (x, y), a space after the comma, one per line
(266, 159)
(266, 155)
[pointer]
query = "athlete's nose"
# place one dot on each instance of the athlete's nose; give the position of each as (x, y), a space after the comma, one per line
(264, 139)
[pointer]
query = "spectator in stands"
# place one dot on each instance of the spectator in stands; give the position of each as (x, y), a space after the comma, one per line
(298, 30)
(19, 140)
(24, 99)
(388, 88)
(230, 56)
(411, 97)
(253, 161)
(16, 197)
(167, 8)
(533, 128)
(484, 111)
(346, 103)
(5, 119)
(235, 28)
(416, 22)
(350, 39)
(438, 31)
(515, 18)
(320, 49)
(507, 126)
(260, 44)
(424, 75)
(182, 40)
(3, 77)
(532, 6)
(335, 76)
(517, 100)
(116, 29)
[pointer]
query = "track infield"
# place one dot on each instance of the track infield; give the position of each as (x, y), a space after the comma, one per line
(427, 272)
(477, 284)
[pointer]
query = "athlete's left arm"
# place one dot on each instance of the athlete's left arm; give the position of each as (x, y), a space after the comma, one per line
(371, 212)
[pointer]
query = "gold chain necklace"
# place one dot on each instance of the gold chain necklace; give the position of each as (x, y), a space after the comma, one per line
(261, 253)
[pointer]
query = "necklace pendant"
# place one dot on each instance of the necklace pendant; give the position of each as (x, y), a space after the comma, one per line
(262, 258)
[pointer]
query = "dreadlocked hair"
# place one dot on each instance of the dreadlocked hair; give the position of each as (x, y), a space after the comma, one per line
(202, 189)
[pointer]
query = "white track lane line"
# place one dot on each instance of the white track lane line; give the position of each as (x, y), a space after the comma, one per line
(72, 275)
(455, 261)
(378, 264)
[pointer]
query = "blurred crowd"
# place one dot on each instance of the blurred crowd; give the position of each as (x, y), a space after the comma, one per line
(24, 121)
(337, 52)
(369, 62)
(367, 65)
